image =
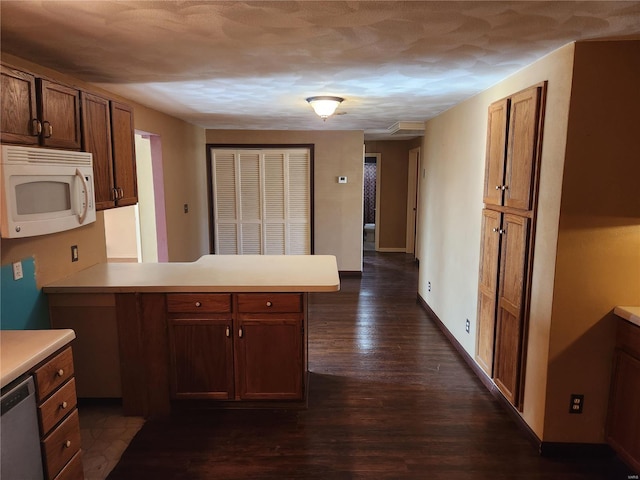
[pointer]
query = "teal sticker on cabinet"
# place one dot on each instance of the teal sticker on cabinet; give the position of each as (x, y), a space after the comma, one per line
(23, 306)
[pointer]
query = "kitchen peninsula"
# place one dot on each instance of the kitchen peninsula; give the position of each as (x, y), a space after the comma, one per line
(226, 328)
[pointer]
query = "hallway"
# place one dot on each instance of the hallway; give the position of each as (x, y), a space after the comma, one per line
(389, 398)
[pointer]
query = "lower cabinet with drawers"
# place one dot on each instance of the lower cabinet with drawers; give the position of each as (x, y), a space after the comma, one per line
(245, 346)
(58, 417)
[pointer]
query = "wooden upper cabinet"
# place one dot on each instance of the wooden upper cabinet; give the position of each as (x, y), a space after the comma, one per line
(522, 148)
(124, 155)
(496, 151)
(514, 134)
(59, 108)
(96, 139)
(488, 288)
(510, 324)
(19, 109)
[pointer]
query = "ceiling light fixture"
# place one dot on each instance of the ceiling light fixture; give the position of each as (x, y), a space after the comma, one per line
(325, 106)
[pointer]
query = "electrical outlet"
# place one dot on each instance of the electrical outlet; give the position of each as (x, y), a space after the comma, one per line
(17, 270)
(74, 253)
(186, 208)
(577, 402)
(467, 325)
(428, 286)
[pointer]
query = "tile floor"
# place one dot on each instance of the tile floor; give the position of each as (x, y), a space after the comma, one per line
(105, 433)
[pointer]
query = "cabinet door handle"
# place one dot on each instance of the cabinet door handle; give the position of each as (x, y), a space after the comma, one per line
(502, 232)
(36, 127)
(114, 193)
(67, 444)
(121, 191)
(198, 304)
(505, 187)
(49, 128)
(240, 332)
(269, 304)
(228, 332)
(498, 187)
(64, 405)
(60, 372)
(494, 230)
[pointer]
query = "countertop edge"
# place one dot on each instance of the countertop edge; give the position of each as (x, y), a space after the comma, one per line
(630, 314)
(193, 289)
(23, 361)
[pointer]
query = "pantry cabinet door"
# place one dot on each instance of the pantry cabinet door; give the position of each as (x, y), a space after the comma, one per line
(522, 148)
(488, 288)
(510, 321)
(496, 151)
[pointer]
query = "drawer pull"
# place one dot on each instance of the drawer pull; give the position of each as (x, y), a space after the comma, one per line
(198, 304)
(61, 372)
(240, 332)
(64, 405)
(269, 304)
(67, 444)
(228, 332)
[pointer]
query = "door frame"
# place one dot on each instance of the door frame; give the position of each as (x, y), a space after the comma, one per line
(412, 200)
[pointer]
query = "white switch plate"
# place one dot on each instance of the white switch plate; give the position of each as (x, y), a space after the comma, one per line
(342, 179)
(17, 270)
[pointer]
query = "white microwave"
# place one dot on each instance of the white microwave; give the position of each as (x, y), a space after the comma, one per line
(44, 191)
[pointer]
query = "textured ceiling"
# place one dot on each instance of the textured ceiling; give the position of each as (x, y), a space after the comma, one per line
(250, 65)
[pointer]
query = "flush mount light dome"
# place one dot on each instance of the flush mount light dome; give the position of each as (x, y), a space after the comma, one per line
(325, 106)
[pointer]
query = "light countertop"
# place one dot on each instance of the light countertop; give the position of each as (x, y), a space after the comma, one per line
(21, 350)
(210, 273)
(631, 314)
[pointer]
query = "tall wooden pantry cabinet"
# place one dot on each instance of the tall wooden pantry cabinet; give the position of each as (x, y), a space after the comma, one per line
(514, 141)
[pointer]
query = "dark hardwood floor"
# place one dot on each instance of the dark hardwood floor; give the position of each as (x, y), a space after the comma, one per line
(389, 398)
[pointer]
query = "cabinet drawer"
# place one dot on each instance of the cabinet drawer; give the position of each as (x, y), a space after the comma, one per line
(198, 302)
(57, 406)
(61, 444)
(54, 373)
(269, 302)
(73, 469)
(628, 337)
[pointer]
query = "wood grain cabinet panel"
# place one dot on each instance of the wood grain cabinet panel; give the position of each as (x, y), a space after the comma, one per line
(61, 445)
(58, 417)
(496, 152)
(57, 406)
(201, 352)
(269, 358)
(254, 351)
(488, 288)
(623, 421)
(19, 107)
(523, 145)
(59, 108)
(54, 373)
(96, 139)
(124, 154)
(198, 302)
(514, 136)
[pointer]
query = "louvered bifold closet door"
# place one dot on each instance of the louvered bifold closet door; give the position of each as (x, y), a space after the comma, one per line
(299, 203)
(225, 205)
(274, 203)
(250, 204)
(262, 201)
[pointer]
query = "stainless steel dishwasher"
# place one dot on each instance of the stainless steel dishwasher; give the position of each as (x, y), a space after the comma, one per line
(20, 446)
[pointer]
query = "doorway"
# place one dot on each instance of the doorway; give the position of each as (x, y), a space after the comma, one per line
(138, 233)
(371, 201)
(413, 193)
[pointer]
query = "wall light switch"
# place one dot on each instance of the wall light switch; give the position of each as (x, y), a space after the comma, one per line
(342, 179)
(74, 253)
